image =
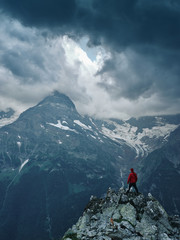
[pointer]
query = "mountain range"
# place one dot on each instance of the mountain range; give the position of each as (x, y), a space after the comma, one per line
(52, 159)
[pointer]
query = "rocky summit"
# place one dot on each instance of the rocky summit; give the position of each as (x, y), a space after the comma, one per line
(124, 216)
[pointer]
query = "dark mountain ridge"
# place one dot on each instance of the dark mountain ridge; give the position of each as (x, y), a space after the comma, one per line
(160, 173)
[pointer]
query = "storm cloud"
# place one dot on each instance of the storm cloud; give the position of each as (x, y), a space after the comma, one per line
(141, 39)
(32, 66)
(119, 23)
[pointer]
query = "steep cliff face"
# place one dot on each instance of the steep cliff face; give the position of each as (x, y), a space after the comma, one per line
(124, 216)
(160, 173)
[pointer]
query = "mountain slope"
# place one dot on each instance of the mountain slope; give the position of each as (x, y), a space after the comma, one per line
(144, 134)
(161, 173)
(52, 159)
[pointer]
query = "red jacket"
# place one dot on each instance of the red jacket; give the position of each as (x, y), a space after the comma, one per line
(132, 178)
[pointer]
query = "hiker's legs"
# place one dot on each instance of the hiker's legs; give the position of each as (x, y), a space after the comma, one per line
(134, 185)
(130, 185)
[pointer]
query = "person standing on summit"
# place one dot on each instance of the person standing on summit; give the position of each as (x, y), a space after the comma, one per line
(132, 179)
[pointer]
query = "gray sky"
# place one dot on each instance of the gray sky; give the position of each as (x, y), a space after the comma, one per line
(113, 58)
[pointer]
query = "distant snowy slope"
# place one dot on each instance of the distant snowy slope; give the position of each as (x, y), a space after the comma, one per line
(143, 140)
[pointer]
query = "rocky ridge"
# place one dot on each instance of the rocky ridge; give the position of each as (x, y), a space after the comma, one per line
(124, 216)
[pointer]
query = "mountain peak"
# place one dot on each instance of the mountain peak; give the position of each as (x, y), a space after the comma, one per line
(58, 98)
(125, 216)
(56, 93)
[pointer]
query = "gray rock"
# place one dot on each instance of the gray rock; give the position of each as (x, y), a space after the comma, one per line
(147, 227)
(127, 225)
(155, 210)
(128, 217)
(139, 202)
(128, 213)
(123, 199)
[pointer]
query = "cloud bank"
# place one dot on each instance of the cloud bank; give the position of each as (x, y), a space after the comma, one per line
(136, 71)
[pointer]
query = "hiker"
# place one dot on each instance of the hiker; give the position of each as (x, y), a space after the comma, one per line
(132, 179)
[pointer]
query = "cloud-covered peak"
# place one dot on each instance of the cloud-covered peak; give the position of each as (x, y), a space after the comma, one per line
(133, 72)
(58, 98)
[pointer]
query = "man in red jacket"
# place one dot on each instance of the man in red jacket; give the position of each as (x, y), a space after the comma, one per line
(132, 179)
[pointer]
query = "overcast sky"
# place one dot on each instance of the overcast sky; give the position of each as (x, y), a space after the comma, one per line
(113, 58)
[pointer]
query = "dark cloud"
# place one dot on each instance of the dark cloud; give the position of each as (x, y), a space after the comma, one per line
(118, 23)
(41, 13)
(138, 74)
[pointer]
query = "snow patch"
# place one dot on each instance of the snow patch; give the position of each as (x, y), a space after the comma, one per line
(121, 174)
(158, 131)
(129, 134)
(59, 125)
(23, 164)
(81, 124)
(93, 136)
(159, 120)
(42, 126)
(92, 122)
(19, 144)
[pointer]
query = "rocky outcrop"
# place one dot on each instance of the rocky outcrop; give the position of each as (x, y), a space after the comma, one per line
(124, 216)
